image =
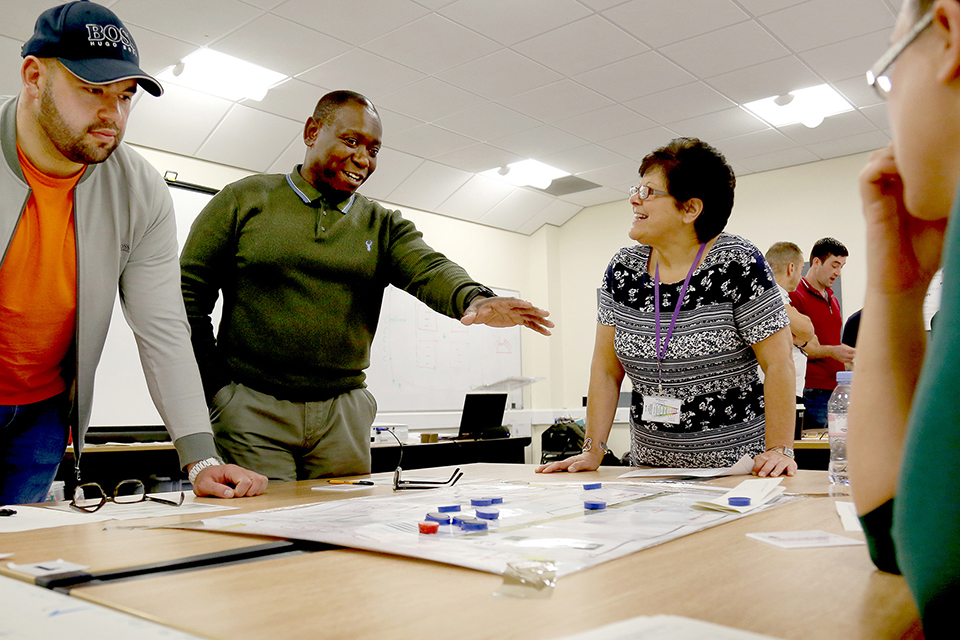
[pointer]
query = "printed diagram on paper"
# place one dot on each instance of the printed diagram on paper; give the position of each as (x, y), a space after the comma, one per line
(546, 522)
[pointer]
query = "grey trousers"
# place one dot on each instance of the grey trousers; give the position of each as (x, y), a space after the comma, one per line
(287, 440)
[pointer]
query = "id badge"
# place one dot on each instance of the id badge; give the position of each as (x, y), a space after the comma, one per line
(661, 409)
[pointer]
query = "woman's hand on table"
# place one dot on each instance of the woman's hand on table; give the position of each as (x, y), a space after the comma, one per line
(589, 461)
(772, 464)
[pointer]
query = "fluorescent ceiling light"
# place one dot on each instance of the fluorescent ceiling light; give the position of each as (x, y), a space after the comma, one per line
(808, 106)
(217, 73)
(526, 173)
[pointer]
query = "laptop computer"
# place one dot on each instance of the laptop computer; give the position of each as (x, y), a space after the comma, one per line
(481, 412)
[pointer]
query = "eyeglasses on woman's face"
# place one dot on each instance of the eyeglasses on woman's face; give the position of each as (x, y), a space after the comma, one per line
(645, 192)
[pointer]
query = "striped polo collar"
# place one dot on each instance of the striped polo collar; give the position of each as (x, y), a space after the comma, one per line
(309, 194)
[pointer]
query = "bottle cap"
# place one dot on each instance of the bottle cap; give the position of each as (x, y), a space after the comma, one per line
(459, 518)
(594, 505)
(429, 527)
(488, 513)
(436, 516)
(844, 377)
(738, 501)
(449, 508)
(496, 500)
(589, 486)
(473, 524)
(481, 502)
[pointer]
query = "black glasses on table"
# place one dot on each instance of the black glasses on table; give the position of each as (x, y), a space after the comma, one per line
(91, 497)
(878, 76)
(399, 484)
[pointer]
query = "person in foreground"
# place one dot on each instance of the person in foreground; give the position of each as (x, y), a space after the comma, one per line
(688, 313)
(303, 261)
(904, 424)
(81, 214)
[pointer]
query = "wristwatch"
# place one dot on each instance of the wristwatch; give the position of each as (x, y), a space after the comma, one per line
(481, 290)
(588, 445)
(787, 451)
(200, 466)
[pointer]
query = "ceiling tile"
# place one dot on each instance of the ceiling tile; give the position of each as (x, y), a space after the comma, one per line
(432, 44)
(515, 209)
(291, 157)
(509, 22)
(594, 196)
(636, 145)
(394, 123)
(760, 7)
(435, 4)
(157, 51)
(557, 101)
(393, 167)
(487, 121)
(778, 159)
(850, 145)
(500, 75)
(280, 45)
(620, 176)
(553, 49)
(739, 170)
(838, 126)
(477, 158)
(429, 100)
(753, 144)
(264, 4)
(428, 141)
(724, 50)
(773, 78)
(249, 139)
(149, 123)
(207, 21)
(662, 22)
(821, 22)
(585, 158)
(20, 16)
(680, 103)
(605, 123)
(638, 76)
(475, 198)
(354, 22)
(539, 142)
(556, 213)
(428, 186)
(602, 5)
(363, 72)
(293, 99)
(849, 57)
(858, 92)
(877, 114)
(719, 125)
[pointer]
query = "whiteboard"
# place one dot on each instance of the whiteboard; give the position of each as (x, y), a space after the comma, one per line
(424, 361)
(420, 360)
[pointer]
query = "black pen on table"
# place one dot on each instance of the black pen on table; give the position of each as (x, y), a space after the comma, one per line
(366, 482)
(8, 512)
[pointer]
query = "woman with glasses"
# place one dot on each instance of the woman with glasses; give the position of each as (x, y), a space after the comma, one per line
(687, 313)
(904, 426)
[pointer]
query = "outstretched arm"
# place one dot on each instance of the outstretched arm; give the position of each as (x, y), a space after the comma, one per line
(506, 312)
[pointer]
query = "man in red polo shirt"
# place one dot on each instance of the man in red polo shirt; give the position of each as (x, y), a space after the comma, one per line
(827, 354)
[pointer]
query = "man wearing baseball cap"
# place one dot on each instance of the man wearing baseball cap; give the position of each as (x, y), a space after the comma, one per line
(80, 215)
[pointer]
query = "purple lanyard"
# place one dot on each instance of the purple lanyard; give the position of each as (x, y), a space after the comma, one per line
(662, 348)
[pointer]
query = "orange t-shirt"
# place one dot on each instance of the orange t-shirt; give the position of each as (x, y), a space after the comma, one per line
(38, 291)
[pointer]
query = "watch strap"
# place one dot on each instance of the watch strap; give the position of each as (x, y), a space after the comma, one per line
(200, 466)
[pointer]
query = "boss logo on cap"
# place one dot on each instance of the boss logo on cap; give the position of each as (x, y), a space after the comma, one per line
(110, 35)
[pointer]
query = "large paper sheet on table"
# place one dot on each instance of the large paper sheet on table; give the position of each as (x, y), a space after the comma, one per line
(546, 522)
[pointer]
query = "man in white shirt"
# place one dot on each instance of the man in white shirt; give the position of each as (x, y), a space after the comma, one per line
(786, 262)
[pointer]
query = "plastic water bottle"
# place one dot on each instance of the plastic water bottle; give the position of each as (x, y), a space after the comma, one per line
(837, 428)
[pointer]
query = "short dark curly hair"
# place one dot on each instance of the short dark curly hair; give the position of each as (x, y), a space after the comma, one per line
(694, 169)
(333, 101)
(825, 247)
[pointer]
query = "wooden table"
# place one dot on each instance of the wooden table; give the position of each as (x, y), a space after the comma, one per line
(718, 575)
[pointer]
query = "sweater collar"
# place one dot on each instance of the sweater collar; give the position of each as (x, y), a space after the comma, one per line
(311, 196)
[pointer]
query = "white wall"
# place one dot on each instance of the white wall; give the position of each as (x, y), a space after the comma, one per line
(560, 268)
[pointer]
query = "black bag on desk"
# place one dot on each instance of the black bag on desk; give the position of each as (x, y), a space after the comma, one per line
(565, 439)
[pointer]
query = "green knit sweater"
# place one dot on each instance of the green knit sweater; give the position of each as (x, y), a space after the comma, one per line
(302, 283)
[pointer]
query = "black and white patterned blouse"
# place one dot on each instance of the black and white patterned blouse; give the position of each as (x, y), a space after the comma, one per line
(732, 303)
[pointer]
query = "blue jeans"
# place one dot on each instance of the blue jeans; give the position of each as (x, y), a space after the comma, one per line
(33, 438)
(815, 408)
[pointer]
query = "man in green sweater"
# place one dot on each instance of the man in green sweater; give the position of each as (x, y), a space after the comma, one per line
(904, 425)
(302, 261)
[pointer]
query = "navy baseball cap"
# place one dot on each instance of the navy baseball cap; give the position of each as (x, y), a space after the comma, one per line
(90, 41)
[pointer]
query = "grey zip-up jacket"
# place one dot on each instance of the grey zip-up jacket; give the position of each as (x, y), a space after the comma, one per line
(126, 236)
